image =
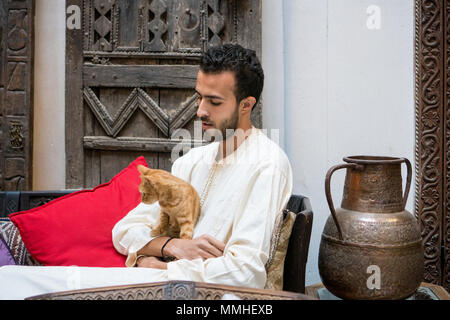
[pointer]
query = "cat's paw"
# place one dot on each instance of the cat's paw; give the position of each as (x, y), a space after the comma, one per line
(155, 232)
(186, 235)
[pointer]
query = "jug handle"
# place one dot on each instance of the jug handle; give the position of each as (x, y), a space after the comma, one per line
(328, 192)
(408, 181)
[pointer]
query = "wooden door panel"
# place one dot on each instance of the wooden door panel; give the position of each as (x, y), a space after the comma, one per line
(131, 73)
(16, 93)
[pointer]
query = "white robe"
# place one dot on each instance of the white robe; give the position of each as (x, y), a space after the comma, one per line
(247, 190)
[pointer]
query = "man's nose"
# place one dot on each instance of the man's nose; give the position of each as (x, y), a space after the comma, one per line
(202, 110)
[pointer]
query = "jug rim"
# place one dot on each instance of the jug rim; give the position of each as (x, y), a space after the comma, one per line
(365, 159)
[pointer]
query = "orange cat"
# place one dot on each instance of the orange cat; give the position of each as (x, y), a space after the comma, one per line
(179, 202)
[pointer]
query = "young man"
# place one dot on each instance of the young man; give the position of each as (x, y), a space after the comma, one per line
(243, 178)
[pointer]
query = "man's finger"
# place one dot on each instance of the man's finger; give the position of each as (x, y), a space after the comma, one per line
(213, 251)
(216, 243)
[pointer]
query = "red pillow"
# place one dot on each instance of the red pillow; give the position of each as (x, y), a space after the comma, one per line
(76, 229)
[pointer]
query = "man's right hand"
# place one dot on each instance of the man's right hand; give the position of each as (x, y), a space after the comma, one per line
(203, 247)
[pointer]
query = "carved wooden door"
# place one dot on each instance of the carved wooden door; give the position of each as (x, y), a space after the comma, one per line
(432, 66)
(130, 77)
(16, 93)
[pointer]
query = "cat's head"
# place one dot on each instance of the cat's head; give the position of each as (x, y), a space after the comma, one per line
(147, 187)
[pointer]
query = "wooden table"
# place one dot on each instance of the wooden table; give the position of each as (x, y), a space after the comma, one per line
(172, 290)
(426, 291)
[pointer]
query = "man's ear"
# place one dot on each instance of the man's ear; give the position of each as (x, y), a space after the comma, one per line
(248, 103)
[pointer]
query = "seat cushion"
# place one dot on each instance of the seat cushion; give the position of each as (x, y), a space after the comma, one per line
(6, 257)
(75, 229)
(13, 240)
(278, 249)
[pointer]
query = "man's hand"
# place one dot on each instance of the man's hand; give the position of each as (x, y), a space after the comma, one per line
(151, 262)
(203, 247)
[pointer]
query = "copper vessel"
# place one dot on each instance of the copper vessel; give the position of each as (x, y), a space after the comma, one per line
(371, 247)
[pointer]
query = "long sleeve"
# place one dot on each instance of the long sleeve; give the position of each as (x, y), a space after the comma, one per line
(132, 232)
(246, 252)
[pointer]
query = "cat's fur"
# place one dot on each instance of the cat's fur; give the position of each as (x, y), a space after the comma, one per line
(179, 202)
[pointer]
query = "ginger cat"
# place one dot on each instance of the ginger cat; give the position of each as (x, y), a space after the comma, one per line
(179, 202)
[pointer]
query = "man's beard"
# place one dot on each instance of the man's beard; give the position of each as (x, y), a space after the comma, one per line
(224, 130)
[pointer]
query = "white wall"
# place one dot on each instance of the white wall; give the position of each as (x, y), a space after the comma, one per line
(348, 90)
(49, 75)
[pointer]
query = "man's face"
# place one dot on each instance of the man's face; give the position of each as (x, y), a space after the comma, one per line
(217, 106)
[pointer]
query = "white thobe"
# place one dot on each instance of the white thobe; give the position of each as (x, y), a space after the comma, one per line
(242, 195)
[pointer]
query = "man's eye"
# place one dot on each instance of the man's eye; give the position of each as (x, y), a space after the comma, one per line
(216, 103)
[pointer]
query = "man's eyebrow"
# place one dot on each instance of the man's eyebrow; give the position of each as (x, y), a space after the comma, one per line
(209, 96)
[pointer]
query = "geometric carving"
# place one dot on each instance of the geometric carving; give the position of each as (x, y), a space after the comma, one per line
(14, 174)
(17, 32)
(184, 114)
(139, 99)
(215, 22)
(16, 135)
(179, 290)
(16, 76)
(102, 25)
(11, 206)
(156, 26)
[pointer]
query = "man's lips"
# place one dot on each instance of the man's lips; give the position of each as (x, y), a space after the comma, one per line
(206, 125)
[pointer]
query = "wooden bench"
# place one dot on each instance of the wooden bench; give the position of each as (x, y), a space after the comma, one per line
(297, 252)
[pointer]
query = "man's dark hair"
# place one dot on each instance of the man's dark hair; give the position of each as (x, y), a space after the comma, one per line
(242, 62)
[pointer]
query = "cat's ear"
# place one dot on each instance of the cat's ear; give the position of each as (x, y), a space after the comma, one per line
(143, 170)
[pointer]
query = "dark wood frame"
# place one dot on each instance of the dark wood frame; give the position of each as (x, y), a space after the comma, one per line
(172, 290)
(16, 93)
(432, 144)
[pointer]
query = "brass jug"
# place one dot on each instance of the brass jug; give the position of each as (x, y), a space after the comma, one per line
(371, 247)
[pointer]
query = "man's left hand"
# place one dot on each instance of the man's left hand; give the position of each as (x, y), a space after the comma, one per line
(151, 262)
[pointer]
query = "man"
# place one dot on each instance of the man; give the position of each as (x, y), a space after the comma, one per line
(246, 176)
(243, 178)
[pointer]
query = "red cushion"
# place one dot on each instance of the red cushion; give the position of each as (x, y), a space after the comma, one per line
(76, 229)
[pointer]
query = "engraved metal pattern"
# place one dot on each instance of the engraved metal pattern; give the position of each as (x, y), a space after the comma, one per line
(382, 190)
(367, 232)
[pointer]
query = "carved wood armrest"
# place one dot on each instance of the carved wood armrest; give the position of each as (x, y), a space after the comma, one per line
(171, 290)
